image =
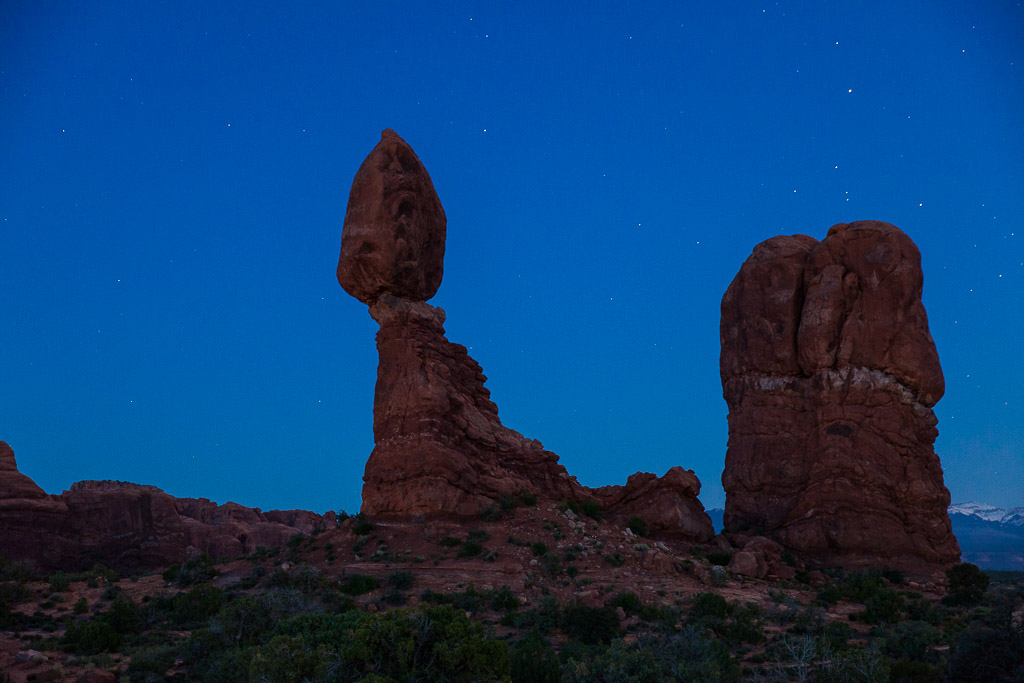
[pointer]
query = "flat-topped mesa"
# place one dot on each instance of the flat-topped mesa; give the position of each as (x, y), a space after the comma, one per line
(830, 373)
(440, 448)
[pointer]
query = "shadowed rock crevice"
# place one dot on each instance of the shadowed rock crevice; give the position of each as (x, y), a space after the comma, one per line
(830, 374)
(440, 448)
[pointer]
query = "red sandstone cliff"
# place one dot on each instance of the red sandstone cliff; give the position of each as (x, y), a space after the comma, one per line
(129, 526)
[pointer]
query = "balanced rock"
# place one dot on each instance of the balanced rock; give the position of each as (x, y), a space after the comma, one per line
(830, 375)
(439, 446)
(129, 526)
(394, 234)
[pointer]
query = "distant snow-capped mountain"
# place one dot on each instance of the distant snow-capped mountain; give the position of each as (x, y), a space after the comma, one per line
(989, 513)
(990, 537)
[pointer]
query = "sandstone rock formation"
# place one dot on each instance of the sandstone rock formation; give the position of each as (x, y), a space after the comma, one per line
(129, 526)
(830, 374)
(439, 445)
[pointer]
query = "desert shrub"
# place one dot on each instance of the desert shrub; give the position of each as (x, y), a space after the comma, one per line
(860, 586)
(543, 618)
(884, 606)
(81, 606)
(90, 638)
(835, 635)
(400, 580)
(637, 525)
(719, 558)
(743, 625)
(241, 622)
(708, 605)
(991, 648)
(193, 608)
(808, 622)
(913, 671)
(592, 509)
(590, 625)
(552, 564)
(910, 640)
(469, 549)
(527, 498)
(287, 660)
(194, 570)
(469, 600)
(432, 642)
(686, 655)
(966, 585)
(539, 548)
(13, 570)
(491, 513)
(361, 525)
(829, 594)
(628, 601)
(123, 615)
(59, 581)
(358, 584)
(573, 505)
(394, 597)
(894, 576)
(207, 660)
(151, 663)
(615, 559)
(340, 517)
(503, 600)
(478, 535)
(14, 593)
(533, 661)
(110, 593)
(735, 623)
(449, 542)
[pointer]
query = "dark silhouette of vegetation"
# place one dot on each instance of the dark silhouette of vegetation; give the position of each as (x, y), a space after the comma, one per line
(637, 525)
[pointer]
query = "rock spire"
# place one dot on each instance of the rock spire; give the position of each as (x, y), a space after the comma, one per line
(440, 448)
(830, 375)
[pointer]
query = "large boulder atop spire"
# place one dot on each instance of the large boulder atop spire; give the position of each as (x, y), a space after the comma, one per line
(394, 233)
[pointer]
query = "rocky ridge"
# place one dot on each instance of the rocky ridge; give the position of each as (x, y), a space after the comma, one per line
(129, 526)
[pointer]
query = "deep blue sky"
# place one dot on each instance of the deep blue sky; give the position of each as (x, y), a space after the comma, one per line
(173, 180)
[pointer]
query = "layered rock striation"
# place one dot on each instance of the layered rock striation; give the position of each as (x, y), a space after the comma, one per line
(440, 448)
(129, 526)
(830, 376)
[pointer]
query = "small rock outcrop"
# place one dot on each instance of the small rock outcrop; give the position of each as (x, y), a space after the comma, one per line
(440, 447)
(830, 375)
(129, 526)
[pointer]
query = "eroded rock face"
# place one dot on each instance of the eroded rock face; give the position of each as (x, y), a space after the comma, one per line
(129, 526)
(830, 374)
(440, 448)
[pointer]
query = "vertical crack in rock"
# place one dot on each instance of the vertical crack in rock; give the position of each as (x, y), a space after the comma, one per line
(830, 375)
